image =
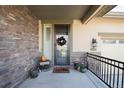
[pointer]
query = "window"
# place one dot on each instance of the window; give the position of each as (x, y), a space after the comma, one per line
(109, 41)
(47, 40)
(121, 41)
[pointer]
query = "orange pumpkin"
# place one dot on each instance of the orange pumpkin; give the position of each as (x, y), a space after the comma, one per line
(43, 58)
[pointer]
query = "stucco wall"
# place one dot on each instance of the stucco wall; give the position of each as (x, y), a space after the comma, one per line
(83, 33)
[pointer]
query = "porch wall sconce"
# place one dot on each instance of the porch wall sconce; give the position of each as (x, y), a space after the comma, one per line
(93, 44)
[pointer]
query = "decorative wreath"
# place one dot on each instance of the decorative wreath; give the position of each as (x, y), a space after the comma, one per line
(61, 41)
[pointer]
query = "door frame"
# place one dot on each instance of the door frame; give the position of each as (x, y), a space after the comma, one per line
(54, 45)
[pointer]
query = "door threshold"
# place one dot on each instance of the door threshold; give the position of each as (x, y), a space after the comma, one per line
(62, 66)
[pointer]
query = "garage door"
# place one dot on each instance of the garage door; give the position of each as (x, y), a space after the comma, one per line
(113, 49)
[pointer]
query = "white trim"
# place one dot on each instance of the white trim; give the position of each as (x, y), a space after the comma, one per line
(40, 35)
(115, 15)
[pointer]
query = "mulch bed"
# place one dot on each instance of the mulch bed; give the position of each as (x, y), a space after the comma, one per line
(61, 70)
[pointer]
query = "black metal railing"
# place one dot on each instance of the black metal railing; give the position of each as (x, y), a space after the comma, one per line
(110, 71)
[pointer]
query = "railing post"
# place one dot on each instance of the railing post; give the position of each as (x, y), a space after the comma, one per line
(110, 76)
(87, 59)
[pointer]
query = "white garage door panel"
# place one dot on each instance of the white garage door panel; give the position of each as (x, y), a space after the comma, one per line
(114, 51)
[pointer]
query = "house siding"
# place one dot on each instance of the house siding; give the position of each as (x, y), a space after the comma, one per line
(83, 33)
(18, 44)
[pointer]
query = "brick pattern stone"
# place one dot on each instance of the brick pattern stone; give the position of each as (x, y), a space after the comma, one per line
(18, 44)
(76, 56)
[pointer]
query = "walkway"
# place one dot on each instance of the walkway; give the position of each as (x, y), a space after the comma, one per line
(74, 79)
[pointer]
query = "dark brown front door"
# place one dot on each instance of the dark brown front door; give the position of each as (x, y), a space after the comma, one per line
(61, 45)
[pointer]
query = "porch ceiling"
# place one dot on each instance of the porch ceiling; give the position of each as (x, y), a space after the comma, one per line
(59, 12)
(48, 12)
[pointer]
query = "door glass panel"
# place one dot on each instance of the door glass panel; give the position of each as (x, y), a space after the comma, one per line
(61, 50)
(61, 45)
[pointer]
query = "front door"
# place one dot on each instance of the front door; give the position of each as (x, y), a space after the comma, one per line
(61, 44)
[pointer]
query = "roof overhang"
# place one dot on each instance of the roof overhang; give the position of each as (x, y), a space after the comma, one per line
(69, 12)
(58, 12)
(96, 11)
(117, 12)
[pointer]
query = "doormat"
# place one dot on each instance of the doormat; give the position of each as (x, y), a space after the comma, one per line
(61, 70)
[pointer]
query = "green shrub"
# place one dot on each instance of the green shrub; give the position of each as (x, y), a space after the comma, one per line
(34, 73)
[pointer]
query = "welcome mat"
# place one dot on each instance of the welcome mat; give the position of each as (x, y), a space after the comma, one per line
(61, 70)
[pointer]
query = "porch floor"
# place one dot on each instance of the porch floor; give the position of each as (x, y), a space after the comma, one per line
(74, 79)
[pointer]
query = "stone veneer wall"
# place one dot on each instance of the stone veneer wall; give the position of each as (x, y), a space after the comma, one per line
(78, 56)
(18, 44)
